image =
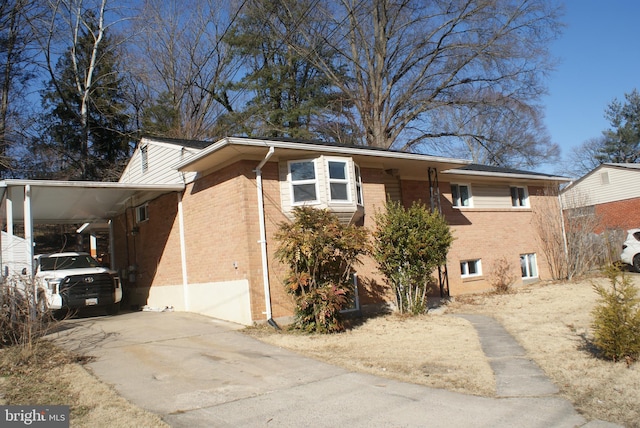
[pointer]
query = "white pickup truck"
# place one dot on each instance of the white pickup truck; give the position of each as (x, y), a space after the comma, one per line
(75, 280)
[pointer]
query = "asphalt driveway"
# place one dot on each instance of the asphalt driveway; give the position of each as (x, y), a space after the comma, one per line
(196, 371)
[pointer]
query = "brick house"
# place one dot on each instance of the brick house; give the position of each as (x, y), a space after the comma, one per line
(610, 192)
(209, 248)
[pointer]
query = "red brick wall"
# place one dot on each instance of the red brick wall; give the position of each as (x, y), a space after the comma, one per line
(622, 215)
(154, 247)
(222, 236)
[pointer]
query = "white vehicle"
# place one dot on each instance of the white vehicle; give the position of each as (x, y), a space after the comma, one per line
(631, 249)
(75, 280)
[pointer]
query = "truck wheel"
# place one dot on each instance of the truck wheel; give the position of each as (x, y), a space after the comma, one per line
(636, 262)
(113, 309)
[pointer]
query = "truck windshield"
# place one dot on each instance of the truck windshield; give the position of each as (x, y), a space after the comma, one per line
(68, 262)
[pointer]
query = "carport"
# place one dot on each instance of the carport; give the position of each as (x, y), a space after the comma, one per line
(68, 202)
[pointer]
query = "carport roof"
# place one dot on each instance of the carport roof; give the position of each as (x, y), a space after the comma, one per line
(54, 202)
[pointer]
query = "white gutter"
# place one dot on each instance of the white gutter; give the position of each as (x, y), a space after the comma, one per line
(263, 235)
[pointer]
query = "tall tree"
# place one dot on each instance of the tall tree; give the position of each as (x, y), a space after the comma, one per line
(288, 94)
(16, 70)
(182, 67)
(86, 119)
(413, 66)
(622, 141)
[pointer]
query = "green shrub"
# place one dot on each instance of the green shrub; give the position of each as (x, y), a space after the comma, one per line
(321, 253)
(409, 245)
(616, 318)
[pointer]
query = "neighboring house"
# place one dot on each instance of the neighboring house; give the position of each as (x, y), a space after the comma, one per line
(210, 248)
(610, 192)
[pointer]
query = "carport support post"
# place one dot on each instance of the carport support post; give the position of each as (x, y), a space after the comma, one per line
(28, 227)
(10, 256)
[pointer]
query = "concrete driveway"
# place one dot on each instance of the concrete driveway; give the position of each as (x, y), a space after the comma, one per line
(196, 371)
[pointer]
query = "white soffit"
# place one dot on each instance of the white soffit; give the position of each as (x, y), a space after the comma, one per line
(54, 202)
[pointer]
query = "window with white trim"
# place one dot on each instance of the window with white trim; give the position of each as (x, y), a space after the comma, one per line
(303, 181)
(528, 266)
(470, 268)
(338, 181)
(519, 196)
(142, 213)
(359, 198)
(461, 195)
(144, 158)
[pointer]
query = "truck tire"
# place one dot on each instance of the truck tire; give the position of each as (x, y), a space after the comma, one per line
(113, 309)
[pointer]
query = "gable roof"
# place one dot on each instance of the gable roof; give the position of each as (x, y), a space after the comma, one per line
(192, 144)
(631, 167)
(497, 171)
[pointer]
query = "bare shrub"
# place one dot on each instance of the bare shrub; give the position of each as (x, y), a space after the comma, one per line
(21, 322)
(502, 276)
(567, 236)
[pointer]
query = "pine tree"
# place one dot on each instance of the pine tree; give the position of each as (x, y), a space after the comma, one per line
(616, 319)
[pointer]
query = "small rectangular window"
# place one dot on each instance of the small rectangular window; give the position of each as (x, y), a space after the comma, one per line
(460, 195)
(142, 213)
(519, 197)
(604, 177)
(470, 268)
(528, 266)
(144, 156)
(303, 181)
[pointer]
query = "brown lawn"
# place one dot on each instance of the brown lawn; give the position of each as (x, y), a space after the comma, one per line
(551, 320)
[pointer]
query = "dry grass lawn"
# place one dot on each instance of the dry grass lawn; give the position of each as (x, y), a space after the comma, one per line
(552, 322)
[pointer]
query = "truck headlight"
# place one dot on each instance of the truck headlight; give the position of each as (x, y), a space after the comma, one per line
(53, 284)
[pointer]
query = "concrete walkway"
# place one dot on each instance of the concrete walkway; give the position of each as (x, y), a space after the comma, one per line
(516, 375)
(195, 371)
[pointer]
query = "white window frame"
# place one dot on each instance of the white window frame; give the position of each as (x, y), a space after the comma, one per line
(344, 181)
(464, 268)
(526, 264)
(518, 202)
(359, 192)
(293, 183)
(457, 202)
(142, 213)
(144, 158)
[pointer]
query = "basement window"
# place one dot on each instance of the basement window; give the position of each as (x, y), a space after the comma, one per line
(528, 266)
(470, 268)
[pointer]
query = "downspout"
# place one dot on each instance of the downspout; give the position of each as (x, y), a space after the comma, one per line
(183, 255)
(263, 238)
(564, 235)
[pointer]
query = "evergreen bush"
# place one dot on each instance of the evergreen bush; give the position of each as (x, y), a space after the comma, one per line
(616, 318)
(321, 254)
(409, 245)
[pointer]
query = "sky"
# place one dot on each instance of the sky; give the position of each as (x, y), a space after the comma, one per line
(598, 58)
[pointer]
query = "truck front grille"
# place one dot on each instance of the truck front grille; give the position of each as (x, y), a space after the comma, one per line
(80, 290)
